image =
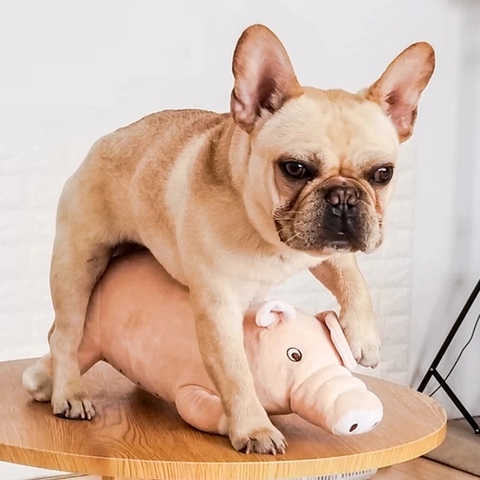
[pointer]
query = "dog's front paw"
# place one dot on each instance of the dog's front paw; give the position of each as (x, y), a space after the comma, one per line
(72, 403)
(258, 439)
(364, 341)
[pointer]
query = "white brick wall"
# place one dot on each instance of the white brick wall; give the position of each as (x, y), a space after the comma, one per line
(31, 178)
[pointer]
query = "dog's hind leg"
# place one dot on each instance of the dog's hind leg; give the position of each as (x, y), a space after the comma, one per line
(79, 259)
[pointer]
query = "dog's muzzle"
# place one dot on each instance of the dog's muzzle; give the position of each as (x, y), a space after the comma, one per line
(341, 217)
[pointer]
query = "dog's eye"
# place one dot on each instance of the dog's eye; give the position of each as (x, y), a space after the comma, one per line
(381, 175)
(296, 170)
(294, 354)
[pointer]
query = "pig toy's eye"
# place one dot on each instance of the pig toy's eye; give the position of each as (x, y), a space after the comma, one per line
(294, 354)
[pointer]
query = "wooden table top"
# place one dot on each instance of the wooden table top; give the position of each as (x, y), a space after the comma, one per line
(137, 435)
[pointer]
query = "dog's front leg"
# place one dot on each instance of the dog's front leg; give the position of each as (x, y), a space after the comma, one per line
(341, 275)
(219, 325)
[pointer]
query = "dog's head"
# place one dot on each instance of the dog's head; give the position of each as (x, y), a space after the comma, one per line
(320, 162)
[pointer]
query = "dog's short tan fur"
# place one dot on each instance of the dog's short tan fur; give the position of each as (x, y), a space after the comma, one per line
(205, 192)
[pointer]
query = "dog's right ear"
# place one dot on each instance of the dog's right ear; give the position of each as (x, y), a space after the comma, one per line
(398, 90)
(264, 77)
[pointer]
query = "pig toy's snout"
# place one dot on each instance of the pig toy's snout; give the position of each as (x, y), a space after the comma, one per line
(362, 419)
(338, 402)
(357, 422)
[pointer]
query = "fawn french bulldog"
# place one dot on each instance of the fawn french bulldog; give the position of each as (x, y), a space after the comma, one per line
(230, 204)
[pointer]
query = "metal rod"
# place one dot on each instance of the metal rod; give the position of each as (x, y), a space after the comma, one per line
(451, 335)
(457, 402)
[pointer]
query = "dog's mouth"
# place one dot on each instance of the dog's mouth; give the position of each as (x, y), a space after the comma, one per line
(334, 218)
(322, 236)
(339, 243)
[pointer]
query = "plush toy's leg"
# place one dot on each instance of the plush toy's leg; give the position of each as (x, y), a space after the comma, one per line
(38, 379)
(202, 409)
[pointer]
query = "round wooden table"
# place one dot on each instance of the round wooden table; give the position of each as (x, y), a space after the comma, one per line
(136, 435)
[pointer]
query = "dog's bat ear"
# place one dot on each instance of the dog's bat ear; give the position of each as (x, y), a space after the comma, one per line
(398, 90)
(264, 77)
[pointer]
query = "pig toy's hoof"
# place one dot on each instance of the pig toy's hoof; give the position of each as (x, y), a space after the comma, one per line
(37, 381)
(358, 421)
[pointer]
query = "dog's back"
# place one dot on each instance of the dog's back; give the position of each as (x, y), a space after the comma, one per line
(106, 180)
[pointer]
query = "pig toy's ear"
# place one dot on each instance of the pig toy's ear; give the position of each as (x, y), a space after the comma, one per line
(271, 313)
(337, 336)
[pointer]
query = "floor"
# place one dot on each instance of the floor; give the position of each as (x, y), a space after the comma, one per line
(421, 469)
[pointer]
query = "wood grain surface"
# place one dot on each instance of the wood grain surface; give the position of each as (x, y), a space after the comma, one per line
(136, 435)
(417, 469)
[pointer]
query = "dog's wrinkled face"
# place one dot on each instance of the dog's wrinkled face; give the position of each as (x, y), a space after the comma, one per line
(321, 161)
(332, 156)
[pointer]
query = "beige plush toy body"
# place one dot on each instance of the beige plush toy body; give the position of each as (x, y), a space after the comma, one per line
(139, 320)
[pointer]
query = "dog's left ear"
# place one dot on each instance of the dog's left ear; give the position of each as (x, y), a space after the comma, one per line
(398, 90)
(264, 77)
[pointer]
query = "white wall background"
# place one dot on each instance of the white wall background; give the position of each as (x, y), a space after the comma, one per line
(447, 206)
(73, 71)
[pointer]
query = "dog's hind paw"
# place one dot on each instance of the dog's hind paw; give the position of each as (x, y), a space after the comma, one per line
(267, 440)
(75, 407)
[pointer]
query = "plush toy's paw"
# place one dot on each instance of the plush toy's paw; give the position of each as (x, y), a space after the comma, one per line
(73, 403)
(37, 381)
(364, 340)
(261, 439)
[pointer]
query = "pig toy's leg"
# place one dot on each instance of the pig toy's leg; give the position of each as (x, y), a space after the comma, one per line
(37, 379)
(202, 409)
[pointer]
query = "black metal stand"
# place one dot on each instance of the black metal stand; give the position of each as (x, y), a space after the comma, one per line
(433, 372)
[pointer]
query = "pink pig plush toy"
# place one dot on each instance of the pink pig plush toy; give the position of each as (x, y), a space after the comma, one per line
(139, 320)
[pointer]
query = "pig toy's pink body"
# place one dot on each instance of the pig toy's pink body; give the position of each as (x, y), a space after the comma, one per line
(140, 321)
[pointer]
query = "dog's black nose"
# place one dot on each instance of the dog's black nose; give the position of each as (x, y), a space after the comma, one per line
(342, 197)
